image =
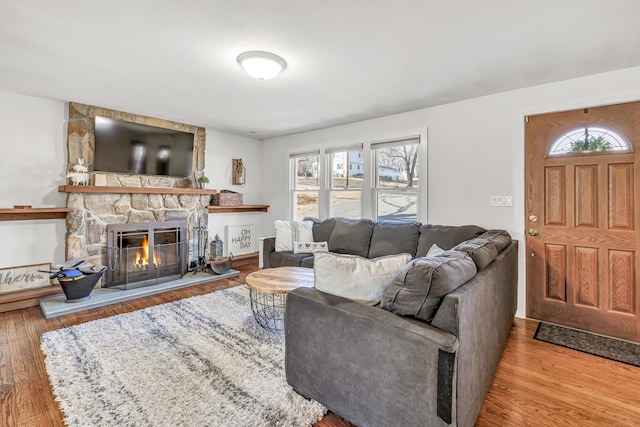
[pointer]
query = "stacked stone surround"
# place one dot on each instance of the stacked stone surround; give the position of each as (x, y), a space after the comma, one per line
(86, 236)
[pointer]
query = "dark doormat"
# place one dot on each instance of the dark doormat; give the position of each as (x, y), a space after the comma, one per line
(598, 345)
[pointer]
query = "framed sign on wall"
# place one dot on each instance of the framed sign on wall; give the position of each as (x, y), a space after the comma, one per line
(240, 239)
(14, 279)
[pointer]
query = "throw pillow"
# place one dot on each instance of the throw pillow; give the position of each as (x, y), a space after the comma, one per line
(417, 290)
(289, 232)
(354, 277)
(434, 250)
(310, 247)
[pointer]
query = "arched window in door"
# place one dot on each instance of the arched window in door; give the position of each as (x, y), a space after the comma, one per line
(589, 140)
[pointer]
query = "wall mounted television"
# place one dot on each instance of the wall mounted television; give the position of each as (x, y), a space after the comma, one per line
(135, 148)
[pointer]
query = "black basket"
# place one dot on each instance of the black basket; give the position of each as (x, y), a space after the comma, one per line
(79, 289)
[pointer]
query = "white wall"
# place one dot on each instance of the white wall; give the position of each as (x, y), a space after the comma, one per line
(32, 166)
(221, 149)
(475, 149)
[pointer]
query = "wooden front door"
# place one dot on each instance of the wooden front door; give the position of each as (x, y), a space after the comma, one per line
(582, 219)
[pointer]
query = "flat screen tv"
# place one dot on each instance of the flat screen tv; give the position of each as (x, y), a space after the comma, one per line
(125, 147)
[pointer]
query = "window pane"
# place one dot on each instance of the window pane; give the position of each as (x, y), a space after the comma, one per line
(397, 166)
(306, 172)
(400, 206)
(306, 204)
(347, 169)
(588, 140)
(346, 203)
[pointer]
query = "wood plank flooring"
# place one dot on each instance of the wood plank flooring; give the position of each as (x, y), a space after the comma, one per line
(537, 384)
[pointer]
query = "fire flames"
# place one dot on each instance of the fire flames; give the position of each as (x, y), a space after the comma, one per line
(142, 256)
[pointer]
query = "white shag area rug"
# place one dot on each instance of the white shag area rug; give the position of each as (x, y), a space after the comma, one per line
(200, 361)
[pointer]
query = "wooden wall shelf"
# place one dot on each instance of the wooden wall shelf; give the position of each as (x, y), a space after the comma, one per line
(132, 190)
(240, 208)
(33, 213)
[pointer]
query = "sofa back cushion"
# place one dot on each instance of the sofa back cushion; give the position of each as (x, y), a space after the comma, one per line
(391, 238)
(445, 236)
(486, 247)
(322, 229)
(417, 290)
(351, 236)
(357, 278)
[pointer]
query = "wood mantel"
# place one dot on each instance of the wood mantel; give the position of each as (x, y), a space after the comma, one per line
(132, 190)
(33, 213)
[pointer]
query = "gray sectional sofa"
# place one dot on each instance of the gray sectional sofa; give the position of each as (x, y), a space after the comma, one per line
(375, 367)
(371, 239)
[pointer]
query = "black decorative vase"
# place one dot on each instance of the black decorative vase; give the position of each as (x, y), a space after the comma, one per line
(80, 289)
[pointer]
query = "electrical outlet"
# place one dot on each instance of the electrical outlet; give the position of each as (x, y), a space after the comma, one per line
(501, 201)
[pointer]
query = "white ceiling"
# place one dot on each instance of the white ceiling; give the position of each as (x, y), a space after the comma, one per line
(348, 60)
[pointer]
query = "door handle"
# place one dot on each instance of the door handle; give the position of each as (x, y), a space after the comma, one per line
(533, 232)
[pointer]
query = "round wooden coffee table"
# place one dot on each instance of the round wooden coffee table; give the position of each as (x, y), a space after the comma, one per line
(268, 291)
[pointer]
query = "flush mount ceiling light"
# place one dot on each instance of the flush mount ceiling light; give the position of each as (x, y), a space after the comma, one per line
(261, 65)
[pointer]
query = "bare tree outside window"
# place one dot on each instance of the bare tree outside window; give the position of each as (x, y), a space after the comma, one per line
(401, 158)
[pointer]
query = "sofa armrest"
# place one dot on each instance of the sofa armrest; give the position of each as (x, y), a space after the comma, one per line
(481, 314)
(367, 364)
(267, 245)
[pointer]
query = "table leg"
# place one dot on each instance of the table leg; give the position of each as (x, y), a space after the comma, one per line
(268, 309)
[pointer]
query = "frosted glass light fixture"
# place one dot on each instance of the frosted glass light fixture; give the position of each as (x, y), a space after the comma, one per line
(261, 65)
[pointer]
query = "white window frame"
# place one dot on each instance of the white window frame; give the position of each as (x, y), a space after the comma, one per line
(377, 190)
(369, 195)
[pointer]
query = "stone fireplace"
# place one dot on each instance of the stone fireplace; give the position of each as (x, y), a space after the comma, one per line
(125, 199)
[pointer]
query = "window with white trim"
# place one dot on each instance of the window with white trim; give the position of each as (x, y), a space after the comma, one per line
(305, 176)
(345, 182)
(396, 179)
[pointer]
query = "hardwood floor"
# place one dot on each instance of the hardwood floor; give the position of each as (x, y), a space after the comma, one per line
(537, 384)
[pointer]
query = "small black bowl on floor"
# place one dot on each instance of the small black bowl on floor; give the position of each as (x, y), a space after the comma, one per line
(80, 289)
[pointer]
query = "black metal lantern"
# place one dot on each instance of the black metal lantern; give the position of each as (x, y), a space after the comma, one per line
(216, 248)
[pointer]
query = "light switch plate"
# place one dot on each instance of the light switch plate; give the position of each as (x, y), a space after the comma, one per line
(501, 201)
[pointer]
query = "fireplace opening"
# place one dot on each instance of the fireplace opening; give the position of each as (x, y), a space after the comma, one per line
(143, 254)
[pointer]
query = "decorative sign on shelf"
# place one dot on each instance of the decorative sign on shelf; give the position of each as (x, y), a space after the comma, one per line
(241, 239)
(14, 279)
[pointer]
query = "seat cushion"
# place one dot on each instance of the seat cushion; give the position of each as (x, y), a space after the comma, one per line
(390, 238)
(351, 236)
(286, 259)
(354, 277)
(307, 262)
(417, 290)
(445, 236)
